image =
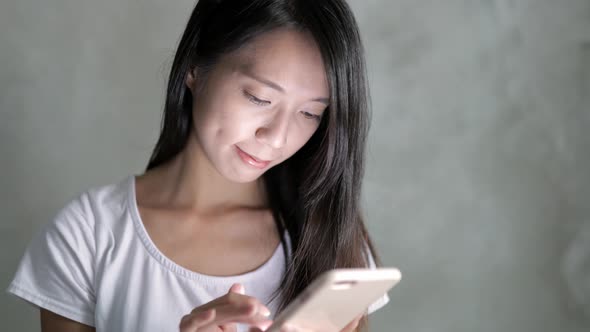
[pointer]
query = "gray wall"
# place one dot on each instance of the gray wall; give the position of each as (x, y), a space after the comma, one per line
(477, 185)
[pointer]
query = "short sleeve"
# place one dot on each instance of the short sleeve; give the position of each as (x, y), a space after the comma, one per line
(56, 271)
(382, 301)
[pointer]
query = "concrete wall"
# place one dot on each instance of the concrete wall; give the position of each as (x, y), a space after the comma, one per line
(478, 179)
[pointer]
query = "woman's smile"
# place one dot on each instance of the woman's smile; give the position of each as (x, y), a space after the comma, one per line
(251, 160)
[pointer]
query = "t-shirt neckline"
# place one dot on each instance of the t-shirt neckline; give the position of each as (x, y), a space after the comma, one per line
(178, 269)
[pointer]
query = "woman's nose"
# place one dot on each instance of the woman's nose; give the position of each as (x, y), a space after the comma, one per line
(274, 133)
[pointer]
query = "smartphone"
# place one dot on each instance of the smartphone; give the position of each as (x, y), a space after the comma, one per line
(335, 298)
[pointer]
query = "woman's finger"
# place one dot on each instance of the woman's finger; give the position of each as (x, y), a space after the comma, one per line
(352, 325)
(231, 308)
(243, 313)
(193, 321)
(239, 289)
(236, 297)
(223, 317)
(228, 328)
(255, 329)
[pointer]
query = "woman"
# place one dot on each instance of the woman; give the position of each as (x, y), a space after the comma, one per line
(251, 192)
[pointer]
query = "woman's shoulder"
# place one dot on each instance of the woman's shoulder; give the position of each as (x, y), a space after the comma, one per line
(97, 204)
(59, 267)
(112, 196)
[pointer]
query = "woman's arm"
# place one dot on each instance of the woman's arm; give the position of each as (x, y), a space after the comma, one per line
(51, 322)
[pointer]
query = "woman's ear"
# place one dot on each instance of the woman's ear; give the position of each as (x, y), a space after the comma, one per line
(191, 79)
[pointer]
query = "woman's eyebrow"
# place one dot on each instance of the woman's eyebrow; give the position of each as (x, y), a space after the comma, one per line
(245, 70)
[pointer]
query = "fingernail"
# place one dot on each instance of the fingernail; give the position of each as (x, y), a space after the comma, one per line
(238, 288)
(264, 311)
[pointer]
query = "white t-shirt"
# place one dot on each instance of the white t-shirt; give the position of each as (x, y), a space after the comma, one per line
(96, 264)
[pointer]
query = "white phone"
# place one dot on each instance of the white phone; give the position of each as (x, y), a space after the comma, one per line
(335, 298)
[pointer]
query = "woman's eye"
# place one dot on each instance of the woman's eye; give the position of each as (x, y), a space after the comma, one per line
(255, 100)
(311, 116)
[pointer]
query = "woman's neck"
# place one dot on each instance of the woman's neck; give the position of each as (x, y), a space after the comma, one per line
(189, 181)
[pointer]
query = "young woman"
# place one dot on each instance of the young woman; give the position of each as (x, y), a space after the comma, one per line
(251, 192)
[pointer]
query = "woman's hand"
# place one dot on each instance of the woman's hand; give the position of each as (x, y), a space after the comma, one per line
(222, 314)
(348, 328)
(352, 325)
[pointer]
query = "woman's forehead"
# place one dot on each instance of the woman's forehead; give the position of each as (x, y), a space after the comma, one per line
(289, 57)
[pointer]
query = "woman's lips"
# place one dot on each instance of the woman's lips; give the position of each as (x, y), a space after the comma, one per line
(253, 161)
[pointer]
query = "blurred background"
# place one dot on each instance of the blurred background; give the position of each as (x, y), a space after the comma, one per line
(478, 180)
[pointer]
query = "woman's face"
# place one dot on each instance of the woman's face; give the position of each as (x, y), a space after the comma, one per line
(260, 104)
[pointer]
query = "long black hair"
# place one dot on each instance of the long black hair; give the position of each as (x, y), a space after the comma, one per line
(315, 194)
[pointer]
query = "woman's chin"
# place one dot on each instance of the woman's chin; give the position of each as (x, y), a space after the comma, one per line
(243, 176)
